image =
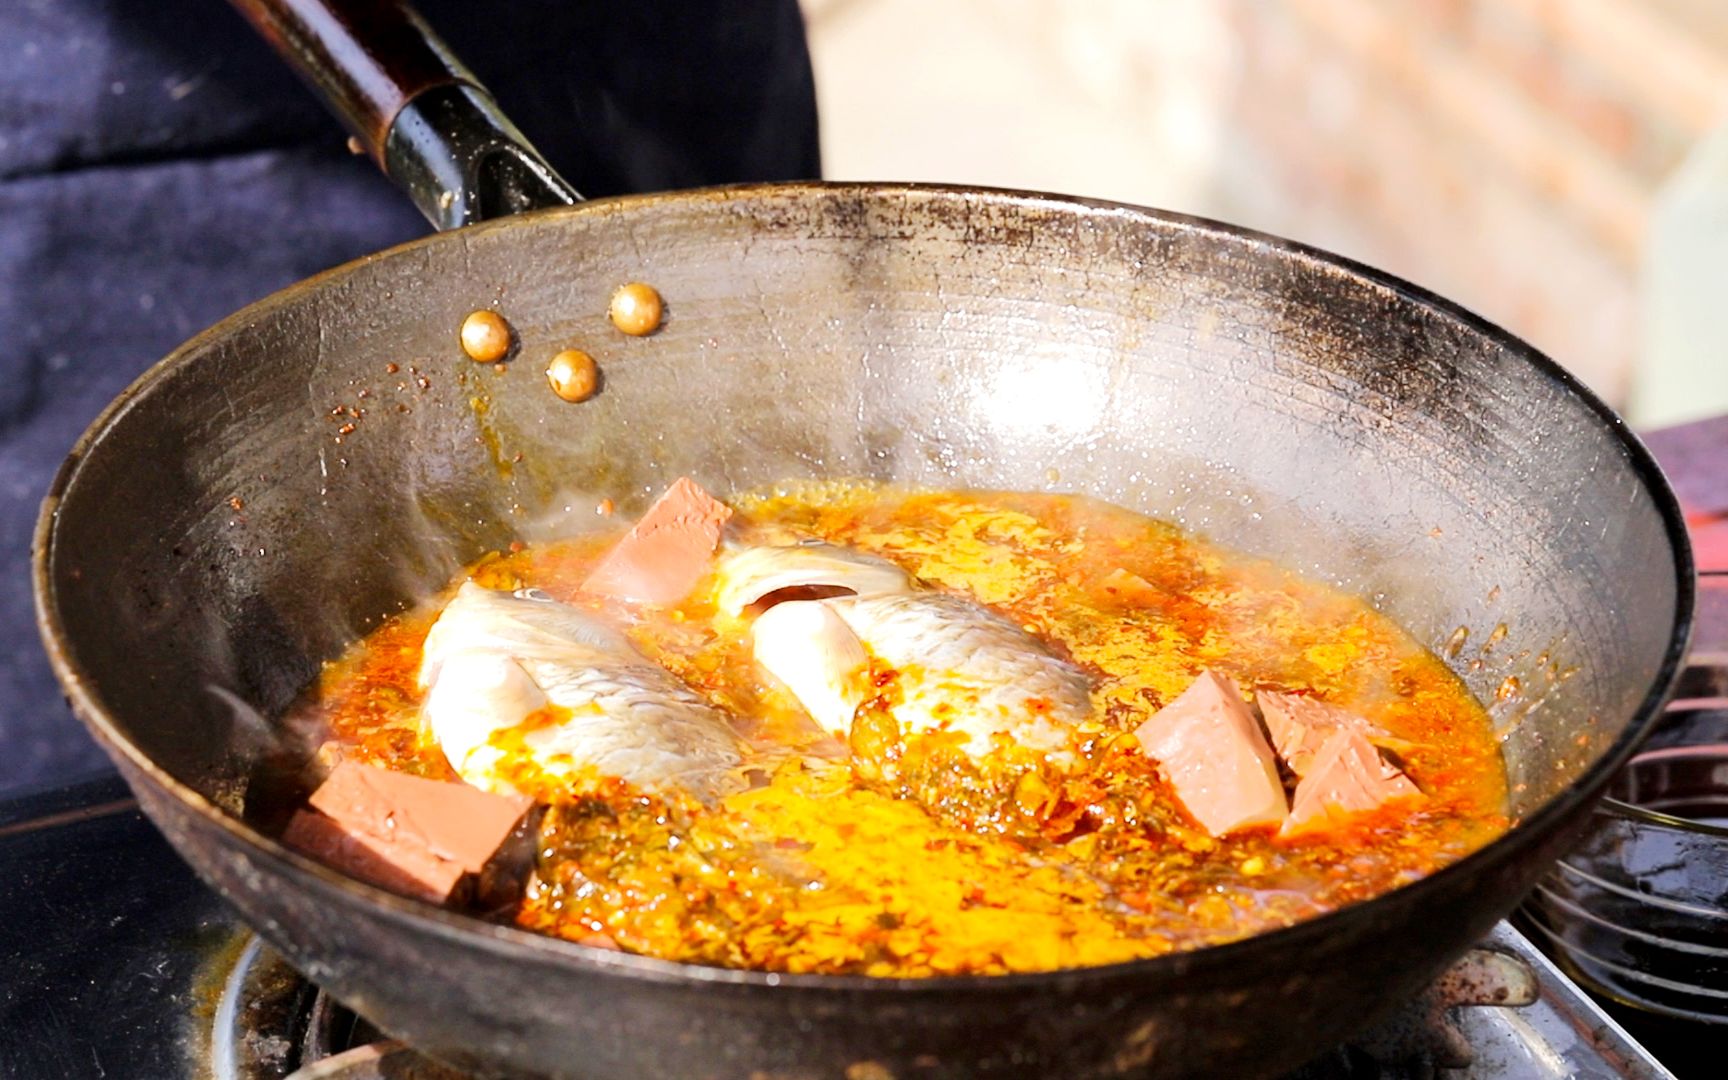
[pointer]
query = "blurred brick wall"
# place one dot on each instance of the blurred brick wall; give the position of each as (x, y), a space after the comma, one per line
(1504, 153)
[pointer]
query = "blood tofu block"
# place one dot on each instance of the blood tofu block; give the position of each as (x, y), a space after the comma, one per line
(1128, 588)
(667, 552)
(1210, 746)
(430, 839)
(1300, 725)
(1348, 775)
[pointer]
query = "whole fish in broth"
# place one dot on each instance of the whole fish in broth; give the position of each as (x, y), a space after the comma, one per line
(523, 692)
(956, 666)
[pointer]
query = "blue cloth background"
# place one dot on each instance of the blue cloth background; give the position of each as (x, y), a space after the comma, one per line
(159, 168)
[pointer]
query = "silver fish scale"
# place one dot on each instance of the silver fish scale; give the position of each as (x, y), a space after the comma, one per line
(984, 667)
(630, 718)
(650, 728)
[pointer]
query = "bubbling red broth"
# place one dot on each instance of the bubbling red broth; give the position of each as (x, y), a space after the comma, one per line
(903, 838)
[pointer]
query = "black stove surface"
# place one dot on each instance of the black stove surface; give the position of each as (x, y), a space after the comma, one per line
(104, 934)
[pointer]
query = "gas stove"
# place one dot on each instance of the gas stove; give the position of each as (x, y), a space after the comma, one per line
(119, 963)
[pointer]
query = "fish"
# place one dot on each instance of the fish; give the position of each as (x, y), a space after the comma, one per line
(958, 666)
(751, 575)
(583, 701)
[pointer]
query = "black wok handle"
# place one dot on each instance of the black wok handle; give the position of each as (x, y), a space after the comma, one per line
(422, 116)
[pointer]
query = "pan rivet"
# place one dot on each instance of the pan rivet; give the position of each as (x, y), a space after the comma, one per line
(485, 336)
(636, 309)
(574, 375)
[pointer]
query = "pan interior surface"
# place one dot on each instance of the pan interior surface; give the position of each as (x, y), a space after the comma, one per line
(328, 457)
(1266, 399)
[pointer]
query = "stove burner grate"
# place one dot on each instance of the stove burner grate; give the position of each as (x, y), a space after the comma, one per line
(1501, 1011)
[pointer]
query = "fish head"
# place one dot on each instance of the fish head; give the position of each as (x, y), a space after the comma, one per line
(750, 575)
(809, 648)
(521, 625)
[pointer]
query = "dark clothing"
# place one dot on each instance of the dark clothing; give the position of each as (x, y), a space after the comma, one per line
(160, 168)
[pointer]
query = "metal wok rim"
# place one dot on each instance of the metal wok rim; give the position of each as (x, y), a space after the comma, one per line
(532, 946)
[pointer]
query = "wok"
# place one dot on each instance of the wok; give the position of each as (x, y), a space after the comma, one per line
(218, 533)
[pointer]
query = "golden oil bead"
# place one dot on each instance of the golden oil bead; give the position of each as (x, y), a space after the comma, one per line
(636, 309)
(485, 336)
(574, 375)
